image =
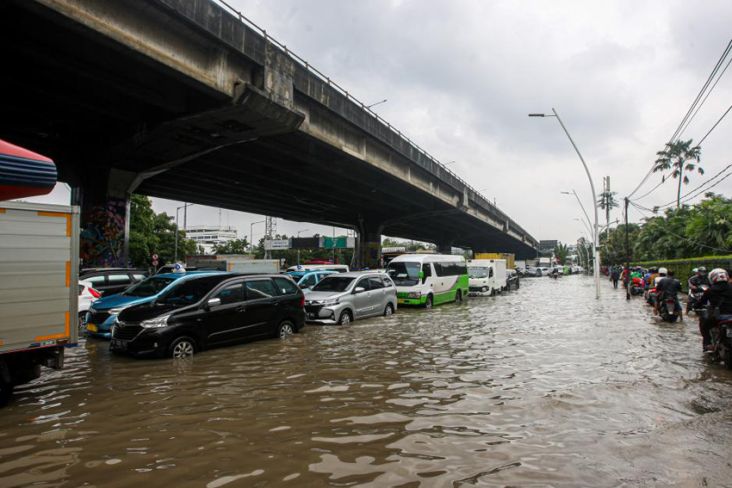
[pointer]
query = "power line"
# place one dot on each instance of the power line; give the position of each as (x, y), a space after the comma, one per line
(699, 189)
(715, 125)
(677, 132)
(709, 92)
(691, 109)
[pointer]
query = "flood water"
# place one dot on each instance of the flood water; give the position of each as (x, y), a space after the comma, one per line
(540, 387)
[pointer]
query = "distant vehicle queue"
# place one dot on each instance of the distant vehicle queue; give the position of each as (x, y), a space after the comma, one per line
(180, 311)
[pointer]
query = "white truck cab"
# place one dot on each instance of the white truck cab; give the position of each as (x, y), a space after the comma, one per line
(487, 276)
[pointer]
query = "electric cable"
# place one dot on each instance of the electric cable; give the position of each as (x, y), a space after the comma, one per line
(715, 125)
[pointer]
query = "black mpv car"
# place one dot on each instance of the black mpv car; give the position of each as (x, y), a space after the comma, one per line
(210, 311)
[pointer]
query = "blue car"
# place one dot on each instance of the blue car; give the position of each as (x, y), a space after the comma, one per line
(308, 279)
(103, 312)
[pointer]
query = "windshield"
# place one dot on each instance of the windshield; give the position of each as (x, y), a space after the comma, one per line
(149, 287)
(187, 292)
(334, 283)
(404, 274)
(474, 272)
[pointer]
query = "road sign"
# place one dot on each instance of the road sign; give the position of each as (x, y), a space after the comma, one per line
(276, 244)
(341, 242)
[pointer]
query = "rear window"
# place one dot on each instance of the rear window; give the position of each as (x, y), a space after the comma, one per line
(285, 286)
(95, 281)
(118, 279)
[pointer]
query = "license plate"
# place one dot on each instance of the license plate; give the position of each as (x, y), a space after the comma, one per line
(92, 327)
(311, 315)
(118, 344)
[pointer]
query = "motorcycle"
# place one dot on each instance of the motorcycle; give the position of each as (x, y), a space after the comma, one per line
(721, 335)
(667, 309)
(650, 296)
(636, 287)
(694, 297)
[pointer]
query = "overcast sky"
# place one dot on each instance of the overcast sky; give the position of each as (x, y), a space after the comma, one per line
(461, 76)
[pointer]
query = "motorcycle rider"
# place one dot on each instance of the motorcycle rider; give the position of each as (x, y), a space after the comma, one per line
(669, 287)
(698, 279)
(718, 295)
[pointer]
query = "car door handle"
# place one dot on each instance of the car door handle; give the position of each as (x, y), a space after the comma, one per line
(241, 308)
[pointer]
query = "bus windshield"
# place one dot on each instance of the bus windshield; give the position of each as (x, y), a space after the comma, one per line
(475, 272)
(404, 273)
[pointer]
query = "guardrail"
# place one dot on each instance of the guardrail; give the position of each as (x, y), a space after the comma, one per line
(248, 22)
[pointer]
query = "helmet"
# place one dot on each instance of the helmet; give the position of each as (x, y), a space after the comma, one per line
(701, 269)
(695, 270)
(662, 271)
(718, 275)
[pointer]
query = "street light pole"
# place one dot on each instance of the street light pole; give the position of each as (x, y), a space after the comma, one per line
(251, 234)
(594, 201)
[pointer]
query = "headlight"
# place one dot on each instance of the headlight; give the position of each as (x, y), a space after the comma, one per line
(415, 294)
(155, 323)
(115, 311)
(331, 301)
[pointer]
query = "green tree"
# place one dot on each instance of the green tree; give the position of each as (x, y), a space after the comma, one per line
(679, 156)
(561, 251)
(236, 246)
(709, 226)
(152, 233)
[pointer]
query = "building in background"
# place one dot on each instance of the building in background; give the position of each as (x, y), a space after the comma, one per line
(209, 236)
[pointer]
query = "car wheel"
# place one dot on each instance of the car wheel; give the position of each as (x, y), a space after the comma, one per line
(389, 310)
(428, 303)
(182, 347)
(459, 296)
(286, 328)
(345, 318)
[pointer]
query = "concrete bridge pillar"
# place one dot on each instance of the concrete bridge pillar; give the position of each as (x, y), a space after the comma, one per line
(105, 217)
(368, 248)
(444, 247)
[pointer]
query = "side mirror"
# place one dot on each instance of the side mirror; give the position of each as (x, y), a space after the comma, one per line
(213, 302)
(359, 289)
(421, 275)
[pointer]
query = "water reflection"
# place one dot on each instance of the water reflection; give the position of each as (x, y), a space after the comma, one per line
(543, 386)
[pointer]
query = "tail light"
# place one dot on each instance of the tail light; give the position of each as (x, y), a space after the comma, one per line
(94, 292)
(302, 302)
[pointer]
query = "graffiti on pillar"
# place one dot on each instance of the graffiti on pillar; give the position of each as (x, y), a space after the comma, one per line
(103, 234)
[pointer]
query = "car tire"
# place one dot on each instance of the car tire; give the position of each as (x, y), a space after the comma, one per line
(388, 310)
(181, 348)
(285, 329)
(346, 318)
(459, 296)
(428, 304)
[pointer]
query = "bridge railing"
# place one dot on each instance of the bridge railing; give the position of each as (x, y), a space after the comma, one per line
(305, 64)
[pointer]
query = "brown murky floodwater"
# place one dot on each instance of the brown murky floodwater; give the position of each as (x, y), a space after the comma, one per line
(542, 387)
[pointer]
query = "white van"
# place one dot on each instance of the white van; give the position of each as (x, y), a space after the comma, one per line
(341, 268)
(429, 279)
(487, 276)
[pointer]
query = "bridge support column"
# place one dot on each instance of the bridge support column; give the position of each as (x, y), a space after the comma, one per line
(369, 245)
(105, 218)
(444, 247)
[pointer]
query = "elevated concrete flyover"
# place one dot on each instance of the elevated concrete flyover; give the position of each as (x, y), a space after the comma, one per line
(183, 99)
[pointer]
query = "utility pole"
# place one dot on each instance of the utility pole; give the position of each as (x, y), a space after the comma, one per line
(627, 251)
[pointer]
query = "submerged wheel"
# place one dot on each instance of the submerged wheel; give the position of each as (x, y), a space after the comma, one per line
(428, 303)
(389, 310)
(345, 318)
(182, 347)
(6, 391)
(459, 296)
(286, 328)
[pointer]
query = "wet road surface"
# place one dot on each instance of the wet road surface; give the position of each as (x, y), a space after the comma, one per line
(540, 387)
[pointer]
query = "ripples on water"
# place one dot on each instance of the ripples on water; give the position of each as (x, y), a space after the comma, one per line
(540, 387)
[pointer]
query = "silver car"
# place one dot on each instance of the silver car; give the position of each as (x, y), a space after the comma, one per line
(344, 297)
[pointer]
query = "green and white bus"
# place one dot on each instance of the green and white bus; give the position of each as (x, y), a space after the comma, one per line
(429, 279)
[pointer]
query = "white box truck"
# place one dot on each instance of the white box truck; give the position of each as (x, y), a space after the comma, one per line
(39, 280)
(487, 276)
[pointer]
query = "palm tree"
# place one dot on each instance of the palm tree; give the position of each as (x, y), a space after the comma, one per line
(679, 156)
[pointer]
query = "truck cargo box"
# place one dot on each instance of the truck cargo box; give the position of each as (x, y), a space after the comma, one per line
(39, 266)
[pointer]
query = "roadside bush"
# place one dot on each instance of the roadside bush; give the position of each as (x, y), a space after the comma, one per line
(682, 267)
